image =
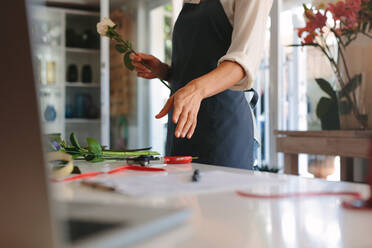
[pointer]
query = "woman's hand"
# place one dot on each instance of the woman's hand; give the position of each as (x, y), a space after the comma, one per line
(159, 69)
(186, 103)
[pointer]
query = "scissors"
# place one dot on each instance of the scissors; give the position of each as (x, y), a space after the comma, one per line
(146, 160)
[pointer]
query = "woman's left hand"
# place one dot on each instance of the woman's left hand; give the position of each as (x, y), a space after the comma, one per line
(186, 103)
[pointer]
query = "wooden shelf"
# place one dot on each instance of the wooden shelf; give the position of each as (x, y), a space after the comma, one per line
(47, 46)
(82, 50)
(344, 143)
(82, 121)
(50, 86)
(83, 85)
(327, 133)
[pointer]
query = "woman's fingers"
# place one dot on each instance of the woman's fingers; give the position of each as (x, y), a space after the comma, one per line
(192, 129)
(186, 104)
(187, 126)
(140, 67)
(167, 107)
(135, 57)
(181, 124)
(138, 57)
(145, 56)
(145, 75)
(176, 114)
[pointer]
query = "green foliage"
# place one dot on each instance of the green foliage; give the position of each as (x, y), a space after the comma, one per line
(121, 48)
(327, 108)
(265, 168)
(74, 141)
(351, 86)
(128, 61)
(344, 107)
(168, 7)
(94, 147)
(326, 87)
(125, 47)
(94, 152)
(93, 158)
(323, 107)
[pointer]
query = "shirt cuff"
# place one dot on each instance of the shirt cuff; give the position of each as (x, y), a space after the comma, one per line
(250, 69)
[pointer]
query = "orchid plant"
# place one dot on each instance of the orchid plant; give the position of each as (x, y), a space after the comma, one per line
(106, 28)
(343, 20)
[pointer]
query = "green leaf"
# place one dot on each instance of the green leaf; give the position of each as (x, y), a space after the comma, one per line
(121, 48)
(71, 149)
(89, 157)
(331, 121)
(128, 61)
(351, 86)
(97, 160)
(323, 107)
(74, 141)
(327, 112)
(63, 143)
(94, 147)
(326, 87)
(93, 158)
(129, 43)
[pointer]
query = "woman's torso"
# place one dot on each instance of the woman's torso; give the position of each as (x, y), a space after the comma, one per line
(224, 133)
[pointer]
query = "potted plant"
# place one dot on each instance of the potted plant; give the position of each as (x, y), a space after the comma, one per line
(348, 24)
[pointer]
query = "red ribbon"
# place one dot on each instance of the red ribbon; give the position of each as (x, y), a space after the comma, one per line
(355, 195)
(119, 169)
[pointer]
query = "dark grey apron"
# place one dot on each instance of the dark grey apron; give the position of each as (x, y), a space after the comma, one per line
(224, 133)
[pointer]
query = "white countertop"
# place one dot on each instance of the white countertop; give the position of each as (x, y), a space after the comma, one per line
(227, 220)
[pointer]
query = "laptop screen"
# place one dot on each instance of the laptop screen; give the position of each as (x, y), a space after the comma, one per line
(81, 229)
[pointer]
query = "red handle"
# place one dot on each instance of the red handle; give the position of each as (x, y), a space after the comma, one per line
(178, 160)
(119, 169)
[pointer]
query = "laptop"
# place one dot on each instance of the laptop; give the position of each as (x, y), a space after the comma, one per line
(29, 217)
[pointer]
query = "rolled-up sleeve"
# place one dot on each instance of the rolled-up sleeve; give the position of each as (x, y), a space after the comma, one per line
(248, 38)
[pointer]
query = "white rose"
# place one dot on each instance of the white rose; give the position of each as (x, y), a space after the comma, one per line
(323, 4)
(102, 27)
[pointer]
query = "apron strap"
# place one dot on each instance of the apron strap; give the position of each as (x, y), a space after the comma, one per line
(254, 99)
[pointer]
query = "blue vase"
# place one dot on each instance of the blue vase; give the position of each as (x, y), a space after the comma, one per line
(50, 113)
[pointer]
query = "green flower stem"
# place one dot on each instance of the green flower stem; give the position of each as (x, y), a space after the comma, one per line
(127, 154)
(115, 154)
(119, 39)
(157, 75)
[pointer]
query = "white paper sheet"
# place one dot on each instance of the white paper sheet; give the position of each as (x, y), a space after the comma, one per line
(180, 183)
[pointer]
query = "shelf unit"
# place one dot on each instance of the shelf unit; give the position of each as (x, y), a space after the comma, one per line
(81, 120)
(81, 50)
(68, 106)
(83, 85)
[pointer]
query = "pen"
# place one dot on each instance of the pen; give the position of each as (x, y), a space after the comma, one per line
(195, 176)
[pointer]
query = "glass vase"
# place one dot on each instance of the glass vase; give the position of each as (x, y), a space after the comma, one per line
(355, 94)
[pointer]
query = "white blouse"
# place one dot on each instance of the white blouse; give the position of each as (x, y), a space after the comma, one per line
(248, 18)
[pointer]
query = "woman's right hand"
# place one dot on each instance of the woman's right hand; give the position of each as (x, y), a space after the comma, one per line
(160, 69)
